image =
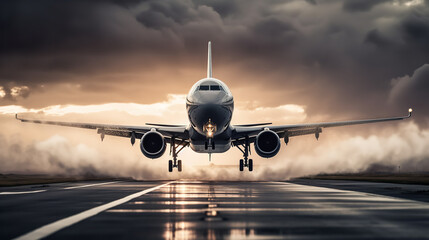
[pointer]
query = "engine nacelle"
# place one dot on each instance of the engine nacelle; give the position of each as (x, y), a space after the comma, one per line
(267, 144)
(153, 144)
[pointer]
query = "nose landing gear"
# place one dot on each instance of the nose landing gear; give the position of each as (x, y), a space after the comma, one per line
(173, 151)
(245, 162)
(210, 143)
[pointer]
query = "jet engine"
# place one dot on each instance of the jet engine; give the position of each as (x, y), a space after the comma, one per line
(153, 144)
(267, 144)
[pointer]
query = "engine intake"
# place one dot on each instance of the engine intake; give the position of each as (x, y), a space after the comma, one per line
(267, 144)
(152, 144)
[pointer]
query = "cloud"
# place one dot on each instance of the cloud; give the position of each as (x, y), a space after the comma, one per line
(13, 93)
(140, 51)
(169, 111)
(361, 5)
(412, 91)
(157, 109)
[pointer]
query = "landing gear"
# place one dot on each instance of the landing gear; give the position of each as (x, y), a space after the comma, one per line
(170, 165)
(246, 162)
(173, 151)
(250, 165)
(179, 165)
(210, 143)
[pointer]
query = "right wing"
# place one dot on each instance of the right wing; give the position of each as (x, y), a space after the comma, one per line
(240, 132)
(178, 132)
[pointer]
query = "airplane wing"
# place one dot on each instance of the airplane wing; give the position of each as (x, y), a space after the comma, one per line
(240, 132)
(176, 131)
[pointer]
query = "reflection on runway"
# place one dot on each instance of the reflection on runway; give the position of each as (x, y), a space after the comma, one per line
(270, 210)
(179, 226)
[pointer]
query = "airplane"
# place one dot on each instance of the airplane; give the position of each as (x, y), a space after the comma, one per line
(210, 106)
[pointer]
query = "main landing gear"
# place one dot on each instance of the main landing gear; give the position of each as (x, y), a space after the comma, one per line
(173, 151)
(245, 162)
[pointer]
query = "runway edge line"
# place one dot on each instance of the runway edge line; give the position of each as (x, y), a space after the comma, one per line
(56, 226)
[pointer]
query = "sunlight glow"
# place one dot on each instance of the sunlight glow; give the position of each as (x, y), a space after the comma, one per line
(155, 109)
(2, 92)
(18, 91)
(409, 3)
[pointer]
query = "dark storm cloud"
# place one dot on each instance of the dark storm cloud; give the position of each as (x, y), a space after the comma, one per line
(333, 57)
(412, 90)
(312, 2)
(376, 38)
(361, 5)
(415, 29)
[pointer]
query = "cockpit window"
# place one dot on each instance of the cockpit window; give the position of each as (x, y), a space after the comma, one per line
(210, 87)
(215, 88)
(204, 87)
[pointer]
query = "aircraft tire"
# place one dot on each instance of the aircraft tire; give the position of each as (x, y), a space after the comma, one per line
(170, 165)
(250, 165)
(179, 165)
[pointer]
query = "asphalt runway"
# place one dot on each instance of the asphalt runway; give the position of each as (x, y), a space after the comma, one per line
(306, 209)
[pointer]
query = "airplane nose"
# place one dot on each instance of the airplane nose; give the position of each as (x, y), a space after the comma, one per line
(209, 119)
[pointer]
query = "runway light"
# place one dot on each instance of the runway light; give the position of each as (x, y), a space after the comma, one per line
(410, 110)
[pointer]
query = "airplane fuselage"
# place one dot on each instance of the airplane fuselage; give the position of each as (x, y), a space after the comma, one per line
(210, 105)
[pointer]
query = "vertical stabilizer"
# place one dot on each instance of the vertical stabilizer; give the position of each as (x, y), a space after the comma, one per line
(209, 61)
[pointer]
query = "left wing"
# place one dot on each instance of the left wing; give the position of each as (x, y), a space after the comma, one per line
(176, 131)
(241, 132)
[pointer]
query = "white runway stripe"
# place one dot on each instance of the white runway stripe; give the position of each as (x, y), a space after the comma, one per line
(51, 228)
(26, 192)
(90, 185)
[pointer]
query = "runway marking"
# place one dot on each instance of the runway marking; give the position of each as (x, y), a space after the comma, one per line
(39, 191)
(90, 185)
(56, 226)
(360, 194)
(26, 192)
(338, 210)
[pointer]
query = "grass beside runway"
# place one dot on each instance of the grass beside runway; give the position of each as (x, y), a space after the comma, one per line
(402, 178)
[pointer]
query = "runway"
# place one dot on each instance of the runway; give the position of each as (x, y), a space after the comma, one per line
(305, 209)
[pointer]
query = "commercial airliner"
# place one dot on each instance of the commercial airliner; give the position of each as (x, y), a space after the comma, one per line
(209, 106)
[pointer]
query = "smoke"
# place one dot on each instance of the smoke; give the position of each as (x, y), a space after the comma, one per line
(408, 147)
(58, 156)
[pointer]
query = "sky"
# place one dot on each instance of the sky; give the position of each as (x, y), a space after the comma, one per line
(132, 62)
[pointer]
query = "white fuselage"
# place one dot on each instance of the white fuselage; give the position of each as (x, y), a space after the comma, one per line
(210, 105)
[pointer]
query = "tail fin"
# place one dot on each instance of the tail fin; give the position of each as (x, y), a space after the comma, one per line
(209, 61)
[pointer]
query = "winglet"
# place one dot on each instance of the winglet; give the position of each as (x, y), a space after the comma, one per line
(410, 110)
(209, 60)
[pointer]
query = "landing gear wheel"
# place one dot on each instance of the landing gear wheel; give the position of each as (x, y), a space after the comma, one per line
(170, 165)
(179, 165)
(250, 165)
(241, 165)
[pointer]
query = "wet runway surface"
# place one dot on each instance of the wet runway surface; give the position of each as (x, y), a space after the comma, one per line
(211, 210)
